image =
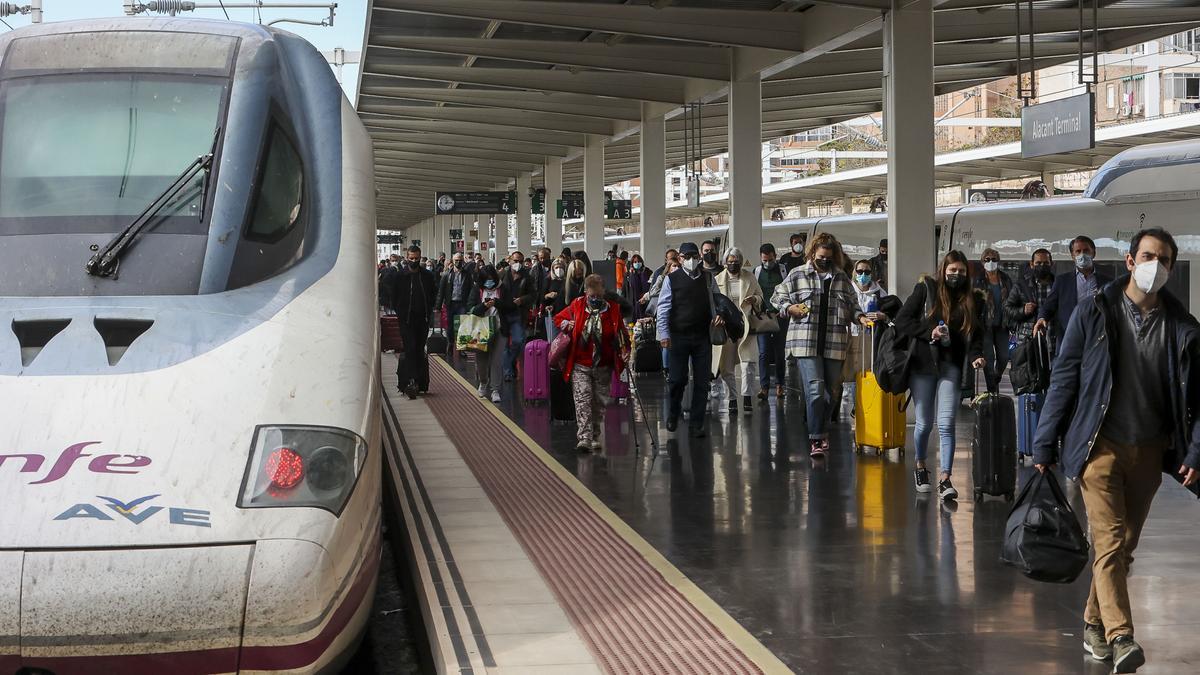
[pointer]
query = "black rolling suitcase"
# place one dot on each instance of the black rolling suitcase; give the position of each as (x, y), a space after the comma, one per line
(562, 399)
(647, 358)
(994, 448)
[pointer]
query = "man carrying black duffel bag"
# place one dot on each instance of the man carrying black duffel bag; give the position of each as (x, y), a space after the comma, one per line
(1118, 401)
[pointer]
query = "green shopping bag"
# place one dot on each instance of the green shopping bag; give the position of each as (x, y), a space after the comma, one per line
(473, 332)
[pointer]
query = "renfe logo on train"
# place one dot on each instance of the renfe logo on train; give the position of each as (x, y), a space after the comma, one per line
(32, 463)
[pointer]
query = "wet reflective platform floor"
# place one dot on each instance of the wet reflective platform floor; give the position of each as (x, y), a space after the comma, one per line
(839, 566)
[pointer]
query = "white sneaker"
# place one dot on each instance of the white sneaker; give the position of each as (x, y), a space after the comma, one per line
(495, 396)
(483, 392)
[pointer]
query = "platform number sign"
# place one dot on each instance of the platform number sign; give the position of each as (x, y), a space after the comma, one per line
(619, 209)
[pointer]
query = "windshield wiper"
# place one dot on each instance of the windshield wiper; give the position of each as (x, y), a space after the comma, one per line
(107, 260)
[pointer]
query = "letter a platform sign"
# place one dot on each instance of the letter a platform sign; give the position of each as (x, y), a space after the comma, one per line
(1055, 127)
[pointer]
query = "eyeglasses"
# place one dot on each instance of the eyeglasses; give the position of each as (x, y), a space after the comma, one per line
(986, 260)
(862, 271)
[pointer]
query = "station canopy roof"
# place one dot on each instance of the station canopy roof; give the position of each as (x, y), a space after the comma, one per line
(466, 94)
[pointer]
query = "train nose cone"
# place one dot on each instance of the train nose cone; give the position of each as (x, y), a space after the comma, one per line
(131, 610)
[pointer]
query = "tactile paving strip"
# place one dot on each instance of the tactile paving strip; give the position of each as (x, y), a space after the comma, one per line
(632, 618)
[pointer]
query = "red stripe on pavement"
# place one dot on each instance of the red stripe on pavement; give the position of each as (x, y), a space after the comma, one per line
(633, 620)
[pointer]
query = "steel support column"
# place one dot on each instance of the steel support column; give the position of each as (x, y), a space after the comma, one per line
(593, 197)
(524, 213)
(654, 186)
(909, 124)
(745, 158)
(554, 229)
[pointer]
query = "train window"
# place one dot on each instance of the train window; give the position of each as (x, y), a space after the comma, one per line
(89, 153)
(280, 196)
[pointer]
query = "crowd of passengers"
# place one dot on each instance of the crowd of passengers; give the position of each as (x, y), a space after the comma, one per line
(1123, 404)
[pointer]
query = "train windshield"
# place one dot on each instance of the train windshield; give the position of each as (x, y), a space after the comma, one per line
(88, 153)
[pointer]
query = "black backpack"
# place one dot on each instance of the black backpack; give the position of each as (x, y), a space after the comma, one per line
(1031, 366)
(893, 359)
(894, 351)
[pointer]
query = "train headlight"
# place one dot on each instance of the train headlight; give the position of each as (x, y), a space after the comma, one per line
(302, 466)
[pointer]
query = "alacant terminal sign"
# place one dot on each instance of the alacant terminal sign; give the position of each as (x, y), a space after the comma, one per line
(1065, 125)
(476, 202)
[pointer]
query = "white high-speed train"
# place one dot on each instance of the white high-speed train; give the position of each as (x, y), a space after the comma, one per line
(1155, 185)
(189, 427)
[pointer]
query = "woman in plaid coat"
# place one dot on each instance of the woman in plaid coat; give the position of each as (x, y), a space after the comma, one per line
(821, 303)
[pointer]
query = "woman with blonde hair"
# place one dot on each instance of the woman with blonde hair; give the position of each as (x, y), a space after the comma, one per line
(821, 303)
(739, 285)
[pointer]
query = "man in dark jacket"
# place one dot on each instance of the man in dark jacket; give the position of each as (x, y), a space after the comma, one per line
(521, 295)
(413, 292)
(1070, 288)
(1029, 293)
(879, 265)
(387, 278)
(456, 291)
(1125, 400)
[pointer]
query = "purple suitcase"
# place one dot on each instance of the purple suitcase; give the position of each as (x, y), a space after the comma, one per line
(619, 390)
(535, 370)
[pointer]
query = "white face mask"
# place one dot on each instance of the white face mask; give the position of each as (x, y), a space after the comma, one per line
(797, 248)
(690, 264)
(991, 266)
(1083, 261)
(559, 273)
(1150, 276)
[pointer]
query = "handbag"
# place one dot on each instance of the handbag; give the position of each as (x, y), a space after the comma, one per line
(560, 346)
(474, 332)
(764, 321)
(1043, 538)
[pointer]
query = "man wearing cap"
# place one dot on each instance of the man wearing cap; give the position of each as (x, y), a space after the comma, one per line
(683, 315)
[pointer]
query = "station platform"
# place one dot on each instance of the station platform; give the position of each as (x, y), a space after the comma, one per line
(732, 553)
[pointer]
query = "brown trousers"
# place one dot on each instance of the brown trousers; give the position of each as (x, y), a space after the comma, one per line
(1118, 485)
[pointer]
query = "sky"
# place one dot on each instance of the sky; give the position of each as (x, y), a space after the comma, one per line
(346, 32)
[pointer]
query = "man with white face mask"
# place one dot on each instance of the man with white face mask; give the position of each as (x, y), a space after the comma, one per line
(683, 315)
(1071, 288)
(1124, 401)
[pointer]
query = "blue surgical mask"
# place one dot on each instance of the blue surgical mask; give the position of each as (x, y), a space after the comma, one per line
(863, 279)
(637, 265)
(490, 283)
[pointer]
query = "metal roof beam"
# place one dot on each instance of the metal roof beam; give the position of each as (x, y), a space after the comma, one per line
(491, 116)
(732, 27)
(674, 60)
(527, 150)
(593, 82)
(438, 158)
(476, 129)
(384, 166)
(535, 101)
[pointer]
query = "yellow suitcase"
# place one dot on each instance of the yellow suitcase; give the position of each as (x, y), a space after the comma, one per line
(879, 417)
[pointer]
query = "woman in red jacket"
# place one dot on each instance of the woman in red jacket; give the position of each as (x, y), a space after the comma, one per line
(599, 344)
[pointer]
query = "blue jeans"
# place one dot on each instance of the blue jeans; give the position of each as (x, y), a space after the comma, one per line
(938, 393)
(818, 375)
(770, 351)
(516, 343)
(697, 349)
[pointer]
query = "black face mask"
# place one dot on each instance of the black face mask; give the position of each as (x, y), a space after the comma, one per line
(733, 268)
(821, 264)
(458, 264)
(955, 281)
(710, 257)
(1042, 271)
(596, 303)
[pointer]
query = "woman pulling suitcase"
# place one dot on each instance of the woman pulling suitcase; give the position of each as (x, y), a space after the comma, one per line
(944, 317)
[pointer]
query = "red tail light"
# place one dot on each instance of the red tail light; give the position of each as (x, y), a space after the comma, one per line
(284, 468)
